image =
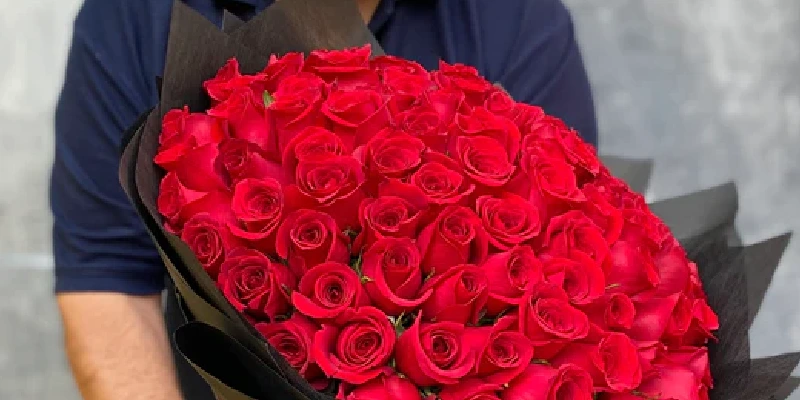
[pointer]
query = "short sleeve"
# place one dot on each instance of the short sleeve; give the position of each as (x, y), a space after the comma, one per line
(544, 65)
(99, 243)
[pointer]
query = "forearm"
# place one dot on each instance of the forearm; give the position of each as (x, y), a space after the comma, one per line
(117, 346)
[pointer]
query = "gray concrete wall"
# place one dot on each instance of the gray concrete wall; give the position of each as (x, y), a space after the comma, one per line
(708, 88)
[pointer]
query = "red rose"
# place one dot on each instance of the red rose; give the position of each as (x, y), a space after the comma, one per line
(528, 117)
(396, 212)
(209, 239)
(329, 183)
(482, 122)
(200, 169)
(172, 197)
(296, 106)
(403, 88)
(385, 387)
(630, 268)
(543, 382)
(310, 142)
(391, 268)
(471, 389)
(278, 69)
(357, 348)
(672, 266)
(574, 232)
(511, 276)
(431, 118)
(694, 358)
(259, 205)
(464, 78)
(704, 322)
(392, 154)
(439, 179)
(246, 118)
(580, 276)
(327, 290)
(181, 131)
(550, 323)
(500, 103)
(307, 238)
(254, 285)
(294, 338)
(455, 237)
(385, 63)
(553, 182)
(667, 383)
(657, 317)
(502, 354)
(355, 115)
(227, 81)
(607, 217)
(485, 160)
(613, 363)
(614, 311)
(434, 354)
(242, 160)
(348, 68)
(509, 220)
(458, 295)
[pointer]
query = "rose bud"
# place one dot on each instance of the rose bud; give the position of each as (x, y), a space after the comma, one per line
(311, 141)
(553, 182)
(457, 295)
(613, 311)
(385, 387)
(259, 205)
(393, 276)
(242, 160)
(296, 106)
(573, 231)
(498, 102)
(403, 89)
(471, 389)
(355, 115)
(209, 239)
(227, 80)
(391, 154)
(434, 354)
(254, 285)
(581, 278)
(199, 169)
(456, 237)
(550, 323)
(357, 347)
(509, 220)
(659, 317)
(484, 159)
(566, 382)
(307, 238)
(396, 212)
(613, 363)
(329, 183)
(294, 338)
(347, 68)
(704, 322)
(328, 290)
(439, 179)
(667, 382)
(182, 131)
(511, 276)
(502, 354)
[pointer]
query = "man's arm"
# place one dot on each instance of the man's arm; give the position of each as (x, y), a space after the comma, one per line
(108, 273)
(117, 346)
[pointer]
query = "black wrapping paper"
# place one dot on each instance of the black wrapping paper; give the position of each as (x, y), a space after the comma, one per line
(230, 354)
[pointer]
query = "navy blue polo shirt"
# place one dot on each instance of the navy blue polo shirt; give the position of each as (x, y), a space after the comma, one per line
(118, 47)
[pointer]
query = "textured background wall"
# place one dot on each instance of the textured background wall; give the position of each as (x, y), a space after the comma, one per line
(708, 88)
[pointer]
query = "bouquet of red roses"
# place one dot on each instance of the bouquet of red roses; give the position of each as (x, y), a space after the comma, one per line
(396, 233)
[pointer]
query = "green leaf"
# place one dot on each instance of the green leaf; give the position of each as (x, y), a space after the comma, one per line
(268, 99)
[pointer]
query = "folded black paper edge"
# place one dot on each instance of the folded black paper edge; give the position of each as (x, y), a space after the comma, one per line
(230, 22)
(761, 262)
